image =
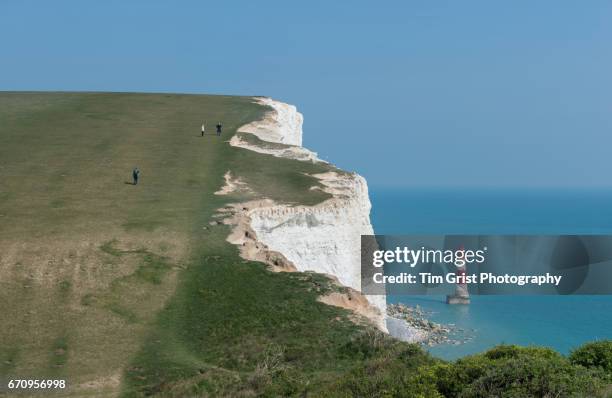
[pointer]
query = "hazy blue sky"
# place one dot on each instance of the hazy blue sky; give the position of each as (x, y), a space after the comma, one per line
(411, 93)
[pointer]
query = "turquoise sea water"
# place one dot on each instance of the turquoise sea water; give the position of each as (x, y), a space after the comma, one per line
(560, 322)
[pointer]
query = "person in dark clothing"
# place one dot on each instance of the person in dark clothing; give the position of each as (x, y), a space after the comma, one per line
(135, 174)
(219, 127)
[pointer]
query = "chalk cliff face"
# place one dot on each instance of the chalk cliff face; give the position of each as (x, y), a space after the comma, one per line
(283, 125)
(325, 238)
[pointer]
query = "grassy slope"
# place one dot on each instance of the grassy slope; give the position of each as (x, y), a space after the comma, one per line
(129, 291)
(117, 287)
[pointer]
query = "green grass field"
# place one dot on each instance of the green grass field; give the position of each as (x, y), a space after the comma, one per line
(128, 291)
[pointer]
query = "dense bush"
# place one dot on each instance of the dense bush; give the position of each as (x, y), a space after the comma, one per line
(512, 371)
(505, 371)
(384, 367)
(533, 377)
(597, 354)
(387, 369)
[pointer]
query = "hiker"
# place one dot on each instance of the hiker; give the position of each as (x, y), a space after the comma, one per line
(135, 174)
(203, 129)
(219, 127)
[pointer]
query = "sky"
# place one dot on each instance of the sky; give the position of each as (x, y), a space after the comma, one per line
(410, 94)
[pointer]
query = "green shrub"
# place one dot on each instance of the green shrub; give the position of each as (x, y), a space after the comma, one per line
(388, 370)
(513, 351)
(533, 376)
(596, 354)
(513, 371)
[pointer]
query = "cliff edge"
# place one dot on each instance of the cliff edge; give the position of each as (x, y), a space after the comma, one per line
(325, 238)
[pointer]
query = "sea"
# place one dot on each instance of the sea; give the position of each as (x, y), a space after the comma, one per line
(560, 322)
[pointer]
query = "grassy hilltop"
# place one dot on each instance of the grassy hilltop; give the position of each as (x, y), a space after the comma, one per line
(128, 290)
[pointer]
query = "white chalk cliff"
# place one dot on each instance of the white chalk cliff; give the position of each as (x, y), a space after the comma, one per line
(282, 125)
(325, 238)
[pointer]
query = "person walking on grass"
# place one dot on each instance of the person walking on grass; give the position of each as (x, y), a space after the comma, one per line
(219, 127)
(135, 174)
(203, 129)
